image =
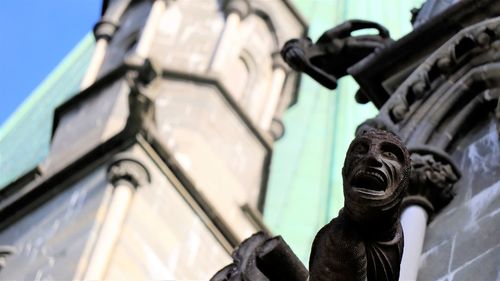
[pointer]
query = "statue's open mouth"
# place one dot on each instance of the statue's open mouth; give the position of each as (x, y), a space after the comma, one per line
(370, 180)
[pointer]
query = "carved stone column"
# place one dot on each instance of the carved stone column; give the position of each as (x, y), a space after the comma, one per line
(432, 178)
(145, 41)
(125, 175)
(235, 11)
(278, 80)
(104, 30)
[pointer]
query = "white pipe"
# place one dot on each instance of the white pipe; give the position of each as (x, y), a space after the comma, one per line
(95, 63)
(110, 232)
(149, 30)
(273, 98)
(414, 222)
(226, 42)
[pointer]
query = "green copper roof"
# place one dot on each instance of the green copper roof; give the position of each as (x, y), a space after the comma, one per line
(25, 136)
(305, 185)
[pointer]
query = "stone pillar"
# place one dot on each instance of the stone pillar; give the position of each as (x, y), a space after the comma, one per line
(432, 178)
(125, 175)
(235, 11)
(103, 32)
(144, 44)
(278, 80)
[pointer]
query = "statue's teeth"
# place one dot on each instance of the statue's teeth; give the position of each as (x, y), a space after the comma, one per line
(375, 175)
(370, 173)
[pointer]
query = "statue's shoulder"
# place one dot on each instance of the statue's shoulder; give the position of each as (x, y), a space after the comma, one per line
(336, 226)
(338, 252)
(338, 235)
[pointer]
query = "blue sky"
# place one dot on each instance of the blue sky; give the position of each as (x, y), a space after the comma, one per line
(36, 35)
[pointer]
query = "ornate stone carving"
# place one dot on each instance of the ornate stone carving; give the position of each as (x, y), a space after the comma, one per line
(261, 258)
(431, 181)
(365, 242)
(335, 51)
(128, 171)
(466, 46)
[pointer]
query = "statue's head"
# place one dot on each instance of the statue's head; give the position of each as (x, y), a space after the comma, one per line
(375, 174)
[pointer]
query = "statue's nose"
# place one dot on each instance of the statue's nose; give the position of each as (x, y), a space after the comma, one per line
(373, 160)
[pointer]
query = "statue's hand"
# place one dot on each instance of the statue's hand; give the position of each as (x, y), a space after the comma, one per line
(293, 52)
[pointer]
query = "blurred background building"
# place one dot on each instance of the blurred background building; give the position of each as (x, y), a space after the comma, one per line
(175, 131)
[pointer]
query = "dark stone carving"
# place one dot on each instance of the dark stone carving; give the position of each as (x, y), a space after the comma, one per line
(129, 172)
(365, 242)
(261, 258)
(142, 72)
(335, 51)
(414, 15)
(469, 45)
(380, 74)
(431, 182)
(5, 251)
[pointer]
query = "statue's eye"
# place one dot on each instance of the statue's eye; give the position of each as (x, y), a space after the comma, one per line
(393, 152)
(389, 155)
(360, 148)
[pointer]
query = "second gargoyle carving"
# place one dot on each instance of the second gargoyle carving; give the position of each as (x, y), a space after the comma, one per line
(335, 51)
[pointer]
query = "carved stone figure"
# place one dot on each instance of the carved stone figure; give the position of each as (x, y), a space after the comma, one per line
(335, 51)
(262, 258)
(431, 182)
(365, 242)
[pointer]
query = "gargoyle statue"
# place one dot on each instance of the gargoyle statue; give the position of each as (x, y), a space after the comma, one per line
(335, 51)
(365, 241)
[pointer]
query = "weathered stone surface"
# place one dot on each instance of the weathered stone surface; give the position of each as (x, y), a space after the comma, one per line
(437, 255)
(186, 38)
(476, 239)
(466, 231)
(483, 267)
(126, 36)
